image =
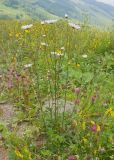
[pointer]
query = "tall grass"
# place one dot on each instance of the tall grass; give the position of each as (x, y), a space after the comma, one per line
(60, 82)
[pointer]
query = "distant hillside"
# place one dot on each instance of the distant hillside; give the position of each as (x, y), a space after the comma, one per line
(96, 12)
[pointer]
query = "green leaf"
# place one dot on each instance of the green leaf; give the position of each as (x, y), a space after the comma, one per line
(87, 77)
(77, 74)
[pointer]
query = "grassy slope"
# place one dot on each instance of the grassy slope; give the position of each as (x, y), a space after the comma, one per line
(97, 13)
(76, 9)
(7, 12)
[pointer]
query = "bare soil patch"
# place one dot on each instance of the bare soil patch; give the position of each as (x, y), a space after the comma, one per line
(6, 113)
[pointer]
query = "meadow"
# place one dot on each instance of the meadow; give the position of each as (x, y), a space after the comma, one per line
(57, 84)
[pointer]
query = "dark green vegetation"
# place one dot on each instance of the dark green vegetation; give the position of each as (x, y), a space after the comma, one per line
(97, 13)
(60, 84)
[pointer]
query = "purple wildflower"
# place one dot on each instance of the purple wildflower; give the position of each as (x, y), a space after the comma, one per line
(94, 128)
(93, 99)
(72, 157)
(76, 90)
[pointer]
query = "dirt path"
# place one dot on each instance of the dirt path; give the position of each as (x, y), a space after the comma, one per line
(3, 154)
(6, 112)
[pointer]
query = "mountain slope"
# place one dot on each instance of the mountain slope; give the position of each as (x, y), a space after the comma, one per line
(97, 13)
(26, 9)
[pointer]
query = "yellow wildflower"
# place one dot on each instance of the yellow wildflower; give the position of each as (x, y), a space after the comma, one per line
(92, 122)
(59, 51)
(10, 34)
(98, 128)
(17, 35)
(18, 154)
(27, 31)
(77, 65)
(110, 111)
(84, 125)
(85, 140)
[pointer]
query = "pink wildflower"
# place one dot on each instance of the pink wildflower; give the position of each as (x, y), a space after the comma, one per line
(72, 157)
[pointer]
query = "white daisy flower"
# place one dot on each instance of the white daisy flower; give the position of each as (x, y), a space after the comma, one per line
(62, 48)
(43, 35)
(50, 21)
(57, 54)
(75, 26)
(27, 27)
(53, 53)
(28, 65)
(66, 15)
(44, 44)
(84, 56)
(42, 22)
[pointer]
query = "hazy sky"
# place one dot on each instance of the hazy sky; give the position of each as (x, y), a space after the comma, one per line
(107, 1)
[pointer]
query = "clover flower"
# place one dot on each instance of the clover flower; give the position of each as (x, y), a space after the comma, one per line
(72, 157)
(95, 127)
(75, 26)
(27, 27)
(18, 77)
(93, 98)
(76, 90)
(77, 101)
